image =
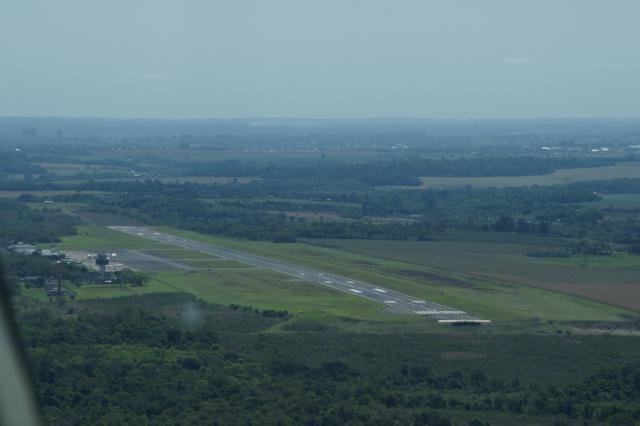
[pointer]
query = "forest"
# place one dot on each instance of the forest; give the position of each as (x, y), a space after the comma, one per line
(139, 362)
(557, 211)
(18, 222)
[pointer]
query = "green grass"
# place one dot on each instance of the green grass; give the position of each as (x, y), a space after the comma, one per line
(34, 293)
(490, 298)
(612, 279)
(619, 201)
(268, 290)
(498, 260)
(179, 254)
(196, 258)
(443, 272)
(89, 291)
(94, 237)
(214, 263)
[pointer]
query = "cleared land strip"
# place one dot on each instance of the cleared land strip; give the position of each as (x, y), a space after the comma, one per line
(395, 301)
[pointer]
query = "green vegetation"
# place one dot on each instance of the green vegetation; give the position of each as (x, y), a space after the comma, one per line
(493, 299)
(169, 358)
(95, 237)
(270, 290)
(539, 234)
(611, 279)
(20, 223)
(557, 177)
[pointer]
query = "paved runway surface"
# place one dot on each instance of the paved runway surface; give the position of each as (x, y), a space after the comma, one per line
(395, 301)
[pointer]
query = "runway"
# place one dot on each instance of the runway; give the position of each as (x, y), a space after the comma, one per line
(395, 302)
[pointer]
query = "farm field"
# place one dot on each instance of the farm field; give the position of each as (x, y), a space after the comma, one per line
(610, 279)
(561, 176)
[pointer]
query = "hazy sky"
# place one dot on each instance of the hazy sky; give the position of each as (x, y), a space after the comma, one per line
(322, 58)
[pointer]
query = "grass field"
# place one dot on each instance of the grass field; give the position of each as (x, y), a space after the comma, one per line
(89, 292)
(610, 279)
(619, 201)
(195, 258)
(94, 237)
(484, 296)
(178, 253)
(562, 176)
(96, 292)
(438, 271)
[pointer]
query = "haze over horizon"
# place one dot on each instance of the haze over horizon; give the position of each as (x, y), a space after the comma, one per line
(250, 59)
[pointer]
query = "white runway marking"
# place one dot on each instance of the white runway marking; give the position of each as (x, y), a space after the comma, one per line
(391, 302)
(379, 290)
(354, 290)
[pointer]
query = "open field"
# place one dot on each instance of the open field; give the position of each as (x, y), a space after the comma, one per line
(270, 290)
(395, 301)
(562, 176)
(87, 292)
(610, 279)
(471, 277)
(195, 258)
(93, 237)
(485, 297)
(618, 201)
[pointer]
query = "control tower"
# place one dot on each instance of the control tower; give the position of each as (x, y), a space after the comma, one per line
(102, 261)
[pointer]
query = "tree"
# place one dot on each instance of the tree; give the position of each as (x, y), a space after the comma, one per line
(504, 223)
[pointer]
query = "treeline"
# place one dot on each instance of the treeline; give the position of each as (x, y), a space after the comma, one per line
(398, 170)
(25, 265)
(135, 364)
(323, 173)
(200, 216)
(18, 222)
(435, 211)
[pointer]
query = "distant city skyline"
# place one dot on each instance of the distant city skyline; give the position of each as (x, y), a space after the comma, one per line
(330, 59)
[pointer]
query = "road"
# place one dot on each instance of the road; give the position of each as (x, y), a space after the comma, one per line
(395, 301)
